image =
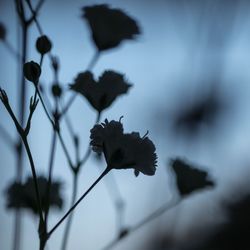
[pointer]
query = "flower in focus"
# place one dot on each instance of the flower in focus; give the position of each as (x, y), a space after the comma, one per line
(32, 71)
(43, 44)
(189, 178)
(109, 26)
(23, 195)
(123, 151)
(101, 94)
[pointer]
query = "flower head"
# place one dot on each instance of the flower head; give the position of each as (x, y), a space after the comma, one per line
(189, 178)
(102, 93)
(23, 195)
(32, 71)
(123, 151)
(43, 44)
(109, 26)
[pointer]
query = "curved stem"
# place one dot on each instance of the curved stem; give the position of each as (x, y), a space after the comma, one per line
(69, 221)
(33, 170)
(77, 202)
(149, 218)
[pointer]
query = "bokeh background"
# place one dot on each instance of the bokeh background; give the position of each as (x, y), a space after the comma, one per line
(189, 51)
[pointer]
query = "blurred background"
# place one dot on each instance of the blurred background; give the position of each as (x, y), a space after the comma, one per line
(190, 74)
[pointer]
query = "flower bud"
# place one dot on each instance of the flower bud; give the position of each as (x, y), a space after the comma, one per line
(56, 90)
(43, 45)
(32, 71)
(2, 32)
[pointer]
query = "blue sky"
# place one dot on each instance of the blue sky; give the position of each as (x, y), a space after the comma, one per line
(181, 46)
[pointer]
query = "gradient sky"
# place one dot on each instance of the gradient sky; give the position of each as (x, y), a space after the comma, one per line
(183, 44)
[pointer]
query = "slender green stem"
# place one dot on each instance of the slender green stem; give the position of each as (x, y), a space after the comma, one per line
(70, 219)
(149, 218)
(77, 202)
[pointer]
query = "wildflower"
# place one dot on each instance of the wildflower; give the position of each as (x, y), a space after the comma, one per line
(43, 45)
(109, 26)
(32, 71)
(189, 178)
(124, 151)
(102, 93)
(23, 195)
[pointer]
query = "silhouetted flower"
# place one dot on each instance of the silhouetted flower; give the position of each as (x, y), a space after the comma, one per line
(2, 32)
(100, 94)
(43, 45)
(109, 26)
(189, 178)
(32, 71)
(23, 195)
(123, 151)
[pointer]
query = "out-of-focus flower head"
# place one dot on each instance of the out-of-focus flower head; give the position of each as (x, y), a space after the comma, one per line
(2, 32)
(109, 26)
(23, 195)
(189, 178)
(124, 151)
(102, 93)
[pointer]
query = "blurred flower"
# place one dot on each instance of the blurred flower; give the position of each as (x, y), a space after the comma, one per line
(189, 178)
(123, 151)
(43, 45)
(32, 71)
(56, 90)
(109, 26)
(2, 32)
(100, 94)
(23, 195)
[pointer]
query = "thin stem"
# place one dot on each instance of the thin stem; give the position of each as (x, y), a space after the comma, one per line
(33, 170)
(77, 202)
(87, 154)
(65, 150)
(12, 51)
(6, 136)
(44, 106)
(51, 163)
(92, 63)
(70, 219)
(149, 218)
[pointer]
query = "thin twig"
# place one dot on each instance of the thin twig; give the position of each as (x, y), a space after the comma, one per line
(70, 219)
(149, 218)
(77, 202)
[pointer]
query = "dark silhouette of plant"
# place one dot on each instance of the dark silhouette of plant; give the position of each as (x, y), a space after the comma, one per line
(189, 178)
(23, 195)
(109, 26)
(100, 94)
